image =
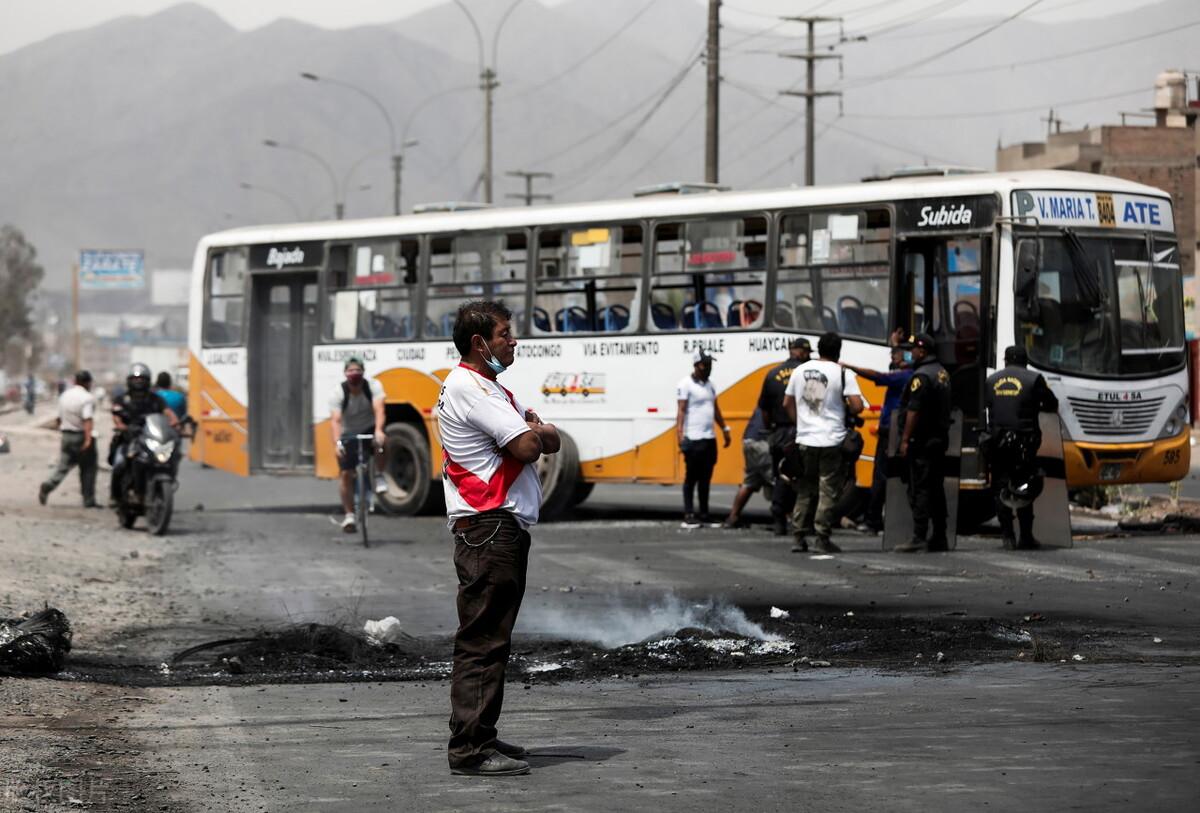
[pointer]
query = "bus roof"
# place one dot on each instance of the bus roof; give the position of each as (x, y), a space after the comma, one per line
(631, 208)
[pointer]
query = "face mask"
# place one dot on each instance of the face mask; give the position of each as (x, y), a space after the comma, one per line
(908, 357)
(354, 379)
(492, 362)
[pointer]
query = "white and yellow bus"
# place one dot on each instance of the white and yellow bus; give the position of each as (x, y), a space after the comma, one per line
(611, 298)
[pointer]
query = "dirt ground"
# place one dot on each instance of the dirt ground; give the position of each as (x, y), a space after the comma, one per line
(61, 743)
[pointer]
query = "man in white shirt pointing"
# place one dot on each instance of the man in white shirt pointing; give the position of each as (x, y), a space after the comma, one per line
(490, 444)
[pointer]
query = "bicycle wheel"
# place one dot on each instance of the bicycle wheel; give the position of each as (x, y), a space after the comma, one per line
(363, 507)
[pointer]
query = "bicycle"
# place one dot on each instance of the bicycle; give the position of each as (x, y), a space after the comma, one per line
(364, 480)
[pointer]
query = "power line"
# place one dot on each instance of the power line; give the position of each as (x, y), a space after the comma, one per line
(669, 141)
(983, 114)
(787, 160)
(608, 41)
(895, 73)
(892, 145)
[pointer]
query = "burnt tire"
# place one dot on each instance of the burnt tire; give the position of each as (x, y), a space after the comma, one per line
(560, 478)
(408, 472)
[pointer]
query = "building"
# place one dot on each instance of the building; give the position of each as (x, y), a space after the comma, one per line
(1165, 154)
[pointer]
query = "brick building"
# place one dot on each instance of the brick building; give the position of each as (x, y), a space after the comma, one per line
(1165, 154)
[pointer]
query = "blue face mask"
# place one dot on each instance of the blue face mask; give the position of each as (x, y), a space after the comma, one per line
(493, 363)
(908, 357)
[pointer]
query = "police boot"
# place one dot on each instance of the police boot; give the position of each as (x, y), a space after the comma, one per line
(1008, 537)
(1028, 542)
(937, 542)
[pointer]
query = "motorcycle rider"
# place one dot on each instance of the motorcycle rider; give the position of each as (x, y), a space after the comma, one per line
(129, 411)
(1014, 396)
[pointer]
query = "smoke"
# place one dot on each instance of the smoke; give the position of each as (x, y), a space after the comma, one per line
(621, 623)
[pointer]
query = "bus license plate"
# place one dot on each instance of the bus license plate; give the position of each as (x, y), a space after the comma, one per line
(1110, 471)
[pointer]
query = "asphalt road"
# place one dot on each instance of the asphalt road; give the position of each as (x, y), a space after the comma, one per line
(1104, 733)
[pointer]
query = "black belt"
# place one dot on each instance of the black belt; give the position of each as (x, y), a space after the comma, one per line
(463, 523)
(72, 431)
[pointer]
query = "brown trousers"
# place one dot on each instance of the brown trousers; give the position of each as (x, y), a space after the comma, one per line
(491, 557)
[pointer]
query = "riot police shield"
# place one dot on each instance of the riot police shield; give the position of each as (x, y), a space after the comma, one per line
(1051, 509)
(897, 518)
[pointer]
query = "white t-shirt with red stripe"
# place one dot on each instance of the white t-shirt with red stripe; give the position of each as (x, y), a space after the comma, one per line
(477, 417)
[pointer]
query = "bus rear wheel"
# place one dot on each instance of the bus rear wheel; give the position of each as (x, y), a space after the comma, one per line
(560, 478)
(407, 471)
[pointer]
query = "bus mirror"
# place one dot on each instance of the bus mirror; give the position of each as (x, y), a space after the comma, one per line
(1027, 267)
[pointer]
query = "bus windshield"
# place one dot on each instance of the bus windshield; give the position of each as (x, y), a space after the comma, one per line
(1105, 306)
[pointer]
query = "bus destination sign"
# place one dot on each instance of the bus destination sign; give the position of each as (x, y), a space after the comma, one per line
(1108, 210)
(946, 214)
(280, 256)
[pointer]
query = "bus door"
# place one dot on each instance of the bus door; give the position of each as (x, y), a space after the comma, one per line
(284, 326)
(944, 259)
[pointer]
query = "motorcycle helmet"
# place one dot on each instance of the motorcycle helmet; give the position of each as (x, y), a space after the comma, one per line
(1022, 490)
(138, 380)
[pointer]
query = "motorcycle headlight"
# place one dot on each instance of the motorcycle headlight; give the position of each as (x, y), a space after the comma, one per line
(162, 451)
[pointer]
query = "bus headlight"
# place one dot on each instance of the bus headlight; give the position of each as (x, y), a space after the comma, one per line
(1176, 422)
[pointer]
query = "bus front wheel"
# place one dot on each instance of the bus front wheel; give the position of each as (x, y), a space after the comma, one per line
(560, 477)
(407, 471)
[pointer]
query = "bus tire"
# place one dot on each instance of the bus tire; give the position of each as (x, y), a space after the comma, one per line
(583, 490)
(560, 477)
(407, 471)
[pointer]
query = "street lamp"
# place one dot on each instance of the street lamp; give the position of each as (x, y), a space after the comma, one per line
(274, 193)
(397, 159)
(487, 83)
(339, 208)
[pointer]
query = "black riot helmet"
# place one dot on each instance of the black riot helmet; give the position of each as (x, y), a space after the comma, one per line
(138, 380)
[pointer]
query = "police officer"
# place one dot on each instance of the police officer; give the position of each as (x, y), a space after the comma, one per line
(781, 428)
(1014, 396)
(924, 435)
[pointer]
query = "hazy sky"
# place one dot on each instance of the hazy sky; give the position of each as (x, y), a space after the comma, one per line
(26, 21)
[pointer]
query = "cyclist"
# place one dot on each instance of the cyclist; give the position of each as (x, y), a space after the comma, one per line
(355, 408)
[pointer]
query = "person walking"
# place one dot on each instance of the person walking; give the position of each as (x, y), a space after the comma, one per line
(697, 410)
(76, 423)
(896, 379)
(782, 429)
(820, 396)
(924, 426)
(490, 445)
(1013, 397)
(758, 474)
(356, 408)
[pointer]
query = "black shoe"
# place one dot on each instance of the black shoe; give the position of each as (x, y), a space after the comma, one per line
(43, 493)
(689, 521)
(1009, 541)
(825, 546)
(509, 750)
(92, 504)
(495, 765)
(1029, 543)
(938, 546)
(780, 527)
(800, 546)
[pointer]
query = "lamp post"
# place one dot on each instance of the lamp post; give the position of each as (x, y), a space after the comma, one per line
(397, 158)
(487, 83)
(249, 187)
(339, 207)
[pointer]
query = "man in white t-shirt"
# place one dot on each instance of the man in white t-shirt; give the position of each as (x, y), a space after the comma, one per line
(76, 422)
(697, 411)
(356, 407)
(490, 444)
(819, 396)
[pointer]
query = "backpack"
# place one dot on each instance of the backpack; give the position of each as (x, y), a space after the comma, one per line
(346, 393)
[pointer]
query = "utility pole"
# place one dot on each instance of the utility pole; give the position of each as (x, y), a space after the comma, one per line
(810, 93)
(1054, 123)
(712, 150)
(488, 84)
(529, 196)
(76, 357)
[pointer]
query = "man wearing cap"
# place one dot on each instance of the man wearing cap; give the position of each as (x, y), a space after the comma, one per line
(696, 413)
(924, 437)
(819, 396)
(356, 408)
(76, 413)
(1013, 397)
(781, 427)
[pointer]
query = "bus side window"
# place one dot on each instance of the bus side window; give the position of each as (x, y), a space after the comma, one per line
(489, 265)
(225, 289)
(834, 273)
(588, 280)
(709, 274)
(371, 292)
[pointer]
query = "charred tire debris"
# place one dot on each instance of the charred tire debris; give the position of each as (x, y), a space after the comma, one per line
(810, 638)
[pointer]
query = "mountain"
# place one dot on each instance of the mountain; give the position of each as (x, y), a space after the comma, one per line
(140, 132)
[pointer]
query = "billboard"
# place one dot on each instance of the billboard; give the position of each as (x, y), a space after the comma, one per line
(101, 270)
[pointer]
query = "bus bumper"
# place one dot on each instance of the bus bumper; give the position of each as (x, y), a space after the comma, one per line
(1160, 461)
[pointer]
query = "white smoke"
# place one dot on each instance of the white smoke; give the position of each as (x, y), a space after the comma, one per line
(621, 623)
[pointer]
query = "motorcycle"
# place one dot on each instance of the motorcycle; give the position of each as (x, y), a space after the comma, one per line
(147, 475)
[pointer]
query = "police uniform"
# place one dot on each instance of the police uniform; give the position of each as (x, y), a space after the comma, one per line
(1014, 396)
(928, 396)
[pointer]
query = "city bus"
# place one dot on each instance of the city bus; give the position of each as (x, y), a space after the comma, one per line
(610, 299)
